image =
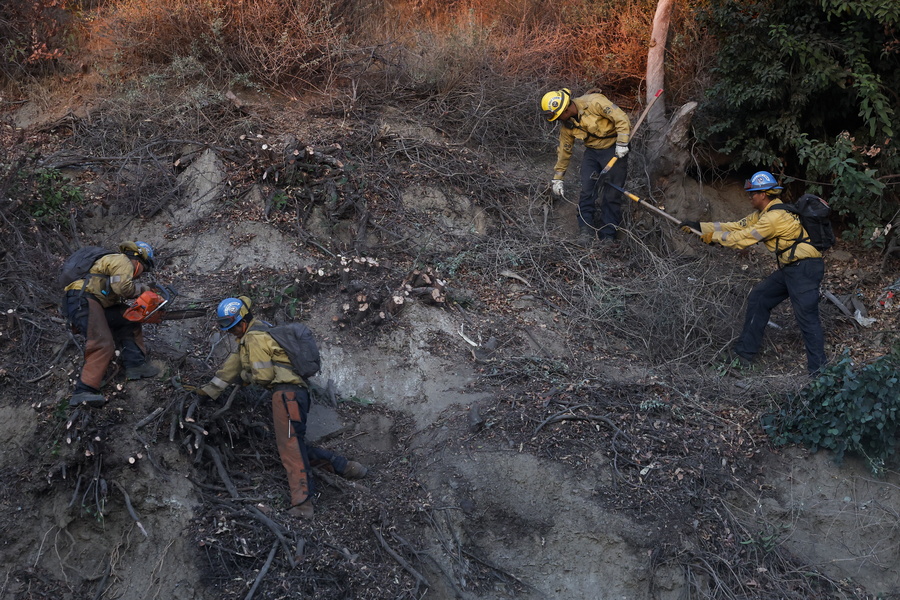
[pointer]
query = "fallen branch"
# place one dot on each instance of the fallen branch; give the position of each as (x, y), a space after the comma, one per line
(843, 308)
(227, 405)
(263, 571)
(568, 415)
(277, 530)
(39, 377)
(496, 569)
(101, 587)
(223, 473)
(131, 508)
(340, 484)
(149, 418)
(402, 561)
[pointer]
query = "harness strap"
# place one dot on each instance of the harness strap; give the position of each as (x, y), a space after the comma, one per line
(799, 240)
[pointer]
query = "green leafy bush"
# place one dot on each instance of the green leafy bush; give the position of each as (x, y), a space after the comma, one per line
(805, 89)
(848, 408)
(42, 195)
(52, 195)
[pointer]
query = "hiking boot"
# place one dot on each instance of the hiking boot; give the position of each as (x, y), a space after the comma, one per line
(89, 399)
(586, 236)
(741, 362)
(354, 470)
(141, 371)
(303, 511)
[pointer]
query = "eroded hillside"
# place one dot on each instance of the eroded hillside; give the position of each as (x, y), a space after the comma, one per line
(541, 420)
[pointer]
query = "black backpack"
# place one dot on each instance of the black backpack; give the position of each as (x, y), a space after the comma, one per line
(79, 264)
(300, 345)
(813, 212)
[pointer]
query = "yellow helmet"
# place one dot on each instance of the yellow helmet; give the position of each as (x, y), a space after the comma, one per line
(555, 103)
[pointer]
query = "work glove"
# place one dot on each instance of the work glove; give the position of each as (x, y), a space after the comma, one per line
(195, 390)
(686, 226)
(706, 238)
(556, 187)
(621, 150)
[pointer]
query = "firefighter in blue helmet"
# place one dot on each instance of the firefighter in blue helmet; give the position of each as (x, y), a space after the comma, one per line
(94, 306)
(798, 277)
(605, 130)
(260, 360)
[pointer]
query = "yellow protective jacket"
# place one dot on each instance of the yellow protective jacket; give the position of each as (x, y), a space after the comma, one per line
(778, 229)
(111, 280)
(599, 124)
(258, 359)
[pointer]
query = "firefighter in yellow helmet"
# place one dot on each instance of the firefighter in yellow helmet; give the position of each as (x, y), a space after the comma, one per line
(260, 360)
(605, 130)
(94, 306)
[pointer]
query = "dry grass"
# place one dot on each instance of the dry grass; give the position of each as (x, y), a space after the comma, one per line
(476, 70)
(32, 37)
(445, 46)
(276, 42)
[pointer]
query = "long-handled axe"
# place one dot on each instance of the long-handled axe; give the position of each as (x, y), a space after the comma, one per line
(649, 206)
(599, 176)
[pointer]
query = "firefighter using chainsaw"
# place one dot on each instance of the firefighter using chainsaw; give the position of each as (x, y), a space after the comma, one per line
(260, 360)
(798, 277)
(605, 130)
(98, 284)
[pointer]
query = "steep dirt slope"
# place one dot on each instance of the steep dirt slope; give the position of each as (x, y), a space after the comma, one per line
(515, 451)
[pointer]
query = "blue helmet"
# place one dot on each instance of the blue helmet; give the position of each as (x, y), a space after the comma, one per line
(232, 311)
(761, 181)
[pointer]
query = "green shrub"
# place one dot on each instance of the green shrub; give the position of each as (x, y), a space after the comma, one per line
(848, 408)
(806, 89)
(52, 196)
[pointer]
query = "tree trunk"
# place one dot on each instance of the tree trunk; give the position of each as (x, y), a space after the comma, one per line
(656, 63)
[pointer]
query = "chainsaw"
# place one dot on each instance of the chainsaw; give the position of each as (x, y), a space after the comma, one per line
(150, 307)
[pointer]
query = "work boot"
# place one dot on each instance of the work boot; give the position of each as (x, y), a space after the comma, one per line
(586, 236)
(354, 470)
(141, 371)
(303, 511)
(741, 362)
(89, 399)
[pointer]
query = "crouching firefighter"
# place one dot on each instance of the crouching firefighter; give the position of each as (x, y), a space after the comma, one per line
(260, 360)
(96, 283)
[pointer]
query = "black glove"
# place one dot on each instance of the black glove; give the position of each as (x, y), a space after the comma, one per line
(686, 226)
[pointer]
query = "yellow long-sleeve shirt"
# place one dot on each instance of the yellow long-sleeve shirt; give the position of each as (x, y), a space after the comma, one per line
(777, 229)
(258, 359)
(111, 282)
(599, 124)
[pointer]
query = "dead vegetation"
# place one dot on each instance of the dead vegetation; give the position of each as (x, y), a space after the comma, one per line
(673, 455)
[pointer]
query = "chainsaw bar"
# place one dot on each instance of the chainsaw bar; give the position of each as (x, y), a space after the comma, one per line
(188, 313)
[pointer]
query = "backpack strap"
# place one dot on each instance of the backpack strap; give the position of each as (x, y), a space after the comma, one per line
(800, 240)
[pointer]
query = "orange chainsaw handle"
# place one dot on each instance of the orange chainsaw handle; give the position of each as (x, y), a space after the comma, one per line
(146, 308)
